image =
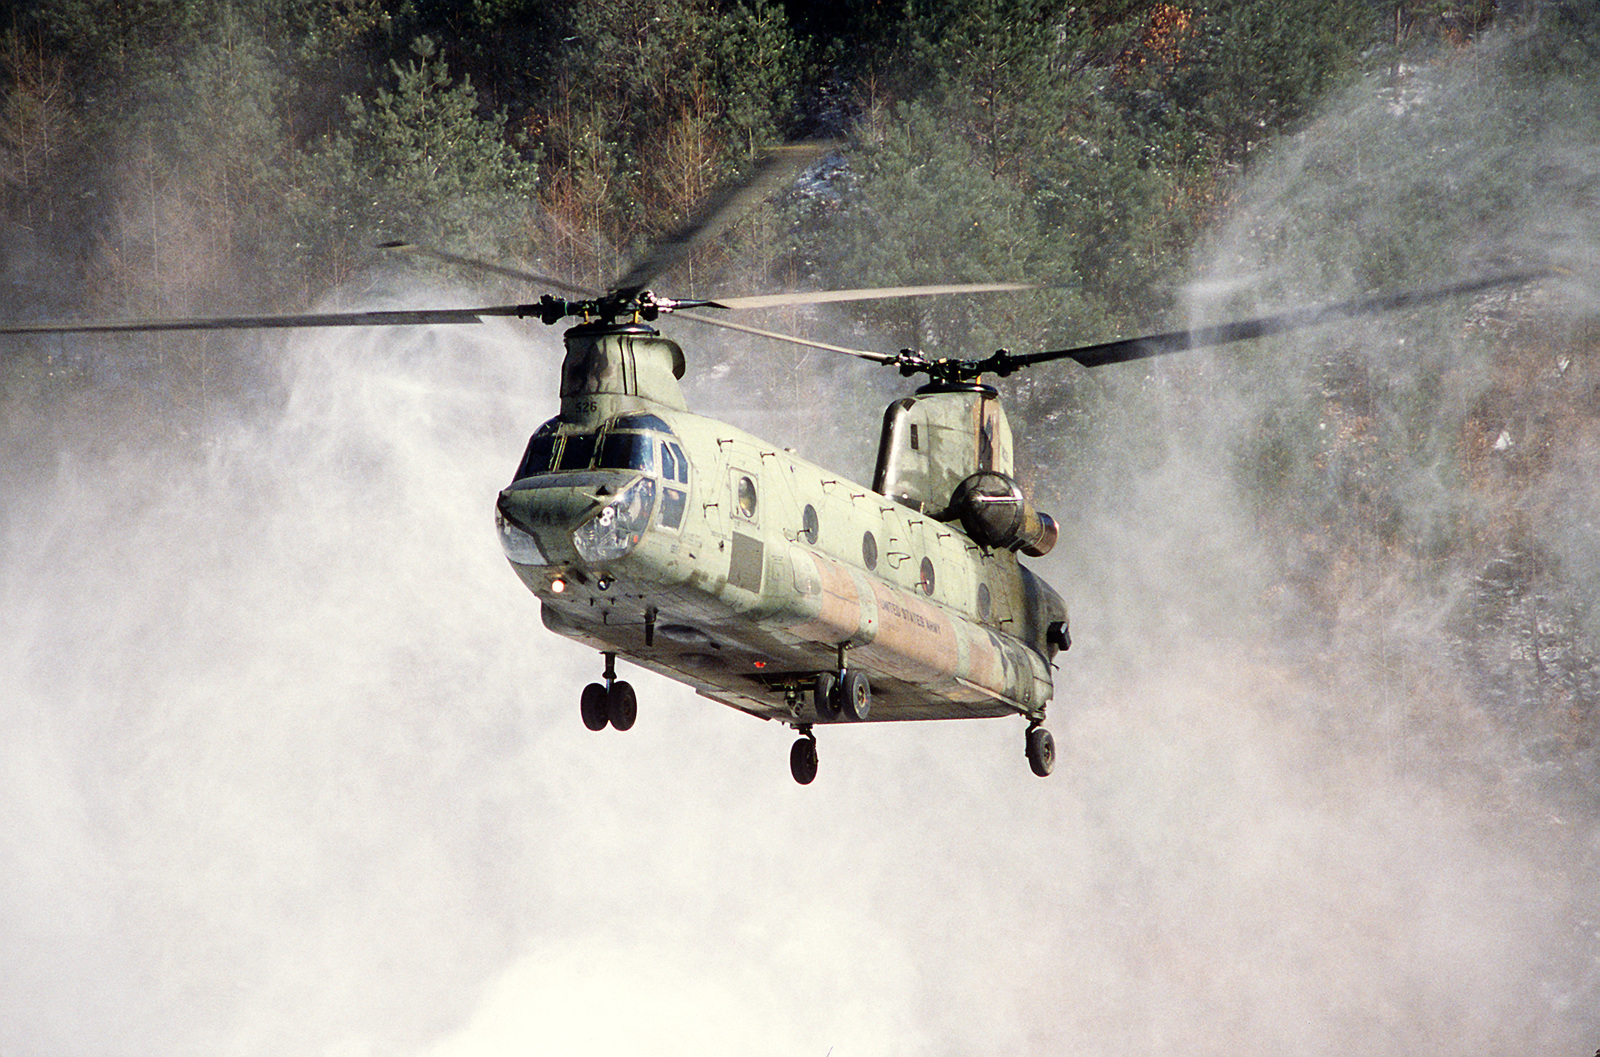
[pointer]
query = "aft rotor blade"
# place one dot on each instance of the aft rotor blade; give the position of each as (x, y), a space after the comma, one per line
(882, 293)
(819, 297)
(876, 357)
(775, 170)
(487, 266)
(414, 317)
(1128, 349)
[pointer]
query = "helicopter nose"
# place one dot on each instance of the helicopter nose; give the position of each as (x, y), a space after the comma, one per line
(513, 505)
(541, 506)
(535, 519)
(517, 539)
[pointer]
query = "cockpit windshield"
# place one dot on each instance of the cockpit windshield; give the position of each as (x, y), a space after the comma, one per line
(536, 459)
(640, 442)
(578, 452)
(628, 451)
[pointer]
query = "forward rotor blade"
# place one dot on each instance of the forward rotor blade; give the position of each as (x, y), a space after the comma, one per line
(415, 317)
(876, 357)
(882, 293)
(1128, 349)
(486, 266)
(775, 170)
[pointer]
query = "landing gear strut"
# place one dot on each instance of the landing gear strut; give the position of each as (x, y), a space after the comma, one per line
(614, 702)
(843, 692)
(846, 694)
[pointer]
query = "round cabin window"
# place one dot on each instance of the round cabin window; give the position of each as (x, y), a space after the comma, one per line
(984, 602)
(869, 551)
(809, 529)
(926, 582)
(746, 498)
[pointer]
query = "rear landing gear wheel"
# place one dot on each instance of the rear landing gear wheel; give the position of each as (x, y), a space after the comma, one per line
(622, 706)
(803, 759)
(594, 706)
(825, 696)
(855, 696)
(1041, 751)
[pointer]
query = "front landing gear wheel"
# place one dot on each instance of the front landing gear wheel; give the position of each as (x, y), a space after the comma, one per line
(595, 710)
(803, 759)
(622, 706)
(1041, 751)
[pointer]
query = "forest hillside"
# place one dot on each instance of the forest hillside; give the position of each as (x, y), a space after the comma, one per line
(174, 157)
(1373, 546)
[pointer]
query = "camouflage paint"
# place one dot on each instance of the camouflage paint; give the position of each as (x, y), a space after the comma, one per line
(738, 602)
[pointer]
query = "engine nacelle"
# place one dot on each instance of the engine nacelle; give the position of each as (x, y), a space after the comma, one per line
(995, 513)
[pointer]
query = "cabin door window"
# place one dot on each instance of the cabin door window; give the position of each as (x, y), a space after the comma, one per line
(747, 553)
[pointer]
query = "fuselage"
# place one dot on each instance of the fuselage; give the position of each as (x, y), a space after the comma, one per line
(699, 551)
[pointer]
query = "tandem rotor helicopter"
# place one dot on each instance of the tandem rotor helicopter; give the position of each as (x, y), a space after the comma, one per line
(764, 581)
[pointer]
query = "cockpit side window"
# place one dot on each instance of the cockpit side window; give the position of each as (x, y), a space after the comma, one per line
(674, 470)
(674, 464)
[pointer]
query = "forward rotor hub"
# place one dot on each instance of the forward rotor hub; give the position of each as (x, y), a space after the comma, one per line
(642, 306)
(949, 370)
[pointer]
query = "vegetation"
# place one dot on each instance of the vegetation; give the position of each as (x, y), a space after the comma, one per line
(169, 148)
(181, 156)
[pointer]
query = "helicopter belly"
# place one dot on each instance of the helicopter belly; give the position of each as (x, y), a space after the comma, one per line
(750, 615)
(952, 664)
(757, 642)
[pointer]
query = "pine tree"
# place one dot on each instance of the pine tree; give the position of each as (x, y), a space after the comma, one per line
(37, 127)
(653, 103)
(418, 160)
(1257, 67)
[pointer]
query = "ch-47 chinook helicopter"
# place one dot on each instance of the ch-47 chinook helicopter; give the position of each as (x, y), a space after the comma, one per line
(764, 581)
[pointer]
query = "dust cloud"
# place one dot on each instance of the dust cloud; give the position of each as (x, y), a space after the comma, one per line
(289, 765)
